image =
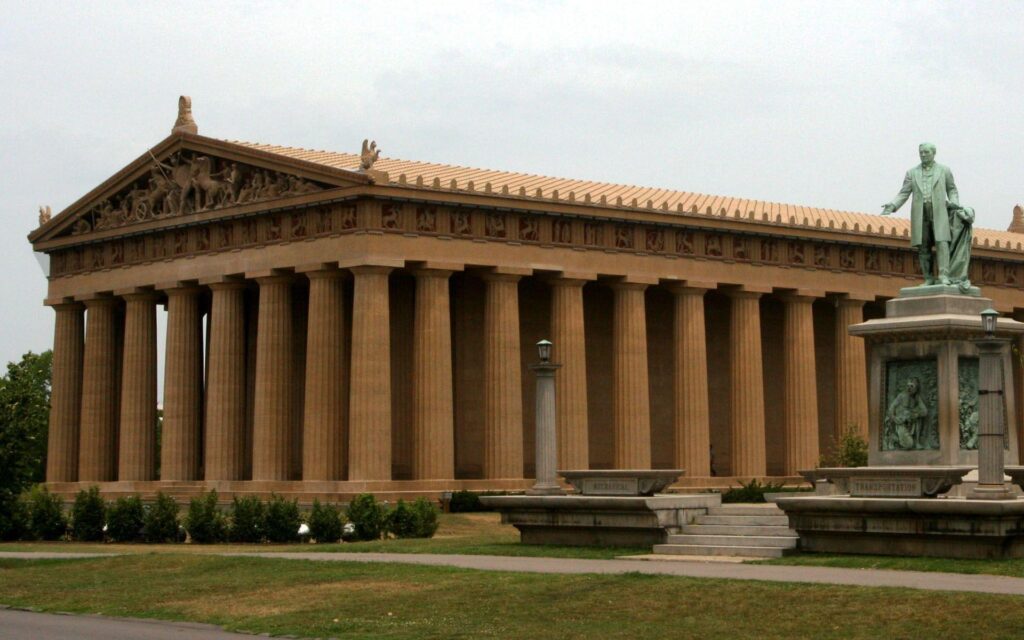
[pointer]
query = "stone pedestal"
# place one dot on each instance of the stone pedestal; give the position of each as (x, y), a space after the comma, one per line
(923, 382)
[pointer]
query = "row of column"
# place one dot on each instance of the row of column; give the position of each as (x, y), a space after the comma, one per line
(103, 415)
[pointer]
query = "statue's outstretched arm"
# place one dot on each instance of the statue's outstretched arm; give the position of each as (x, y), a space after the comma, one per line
(901, 197)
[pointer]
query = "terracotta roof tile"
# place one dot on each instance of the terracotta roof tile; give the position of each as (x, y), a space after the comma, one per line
(661, 199)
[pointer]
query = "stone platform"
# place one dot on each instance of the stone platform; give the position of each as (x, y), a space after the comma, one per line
(600, 520)
(938, 527)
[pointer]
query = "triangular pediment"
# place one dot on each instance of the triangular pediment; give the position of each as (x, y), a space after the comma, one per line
(186, 175)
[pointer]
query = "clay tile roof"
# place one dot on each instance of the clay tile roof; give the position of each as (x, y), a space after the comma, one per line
(660, 199)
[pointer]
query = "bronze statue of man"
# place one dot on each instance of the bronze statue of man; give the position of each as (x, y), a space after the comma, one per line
(931, 184)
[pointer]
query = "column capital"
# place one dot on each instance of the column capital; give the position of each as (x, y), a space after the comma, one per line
(495, 276)
(431, 272)
(64, 304)
(138, 295)
(689, 286)
(95, 300)
(800, 295)
(228, 285)
(370, 269)
(853, 299)
(327, 273)
(435, 264)
(567, 281)
(744, 292)
(629, 284)
(275, 279)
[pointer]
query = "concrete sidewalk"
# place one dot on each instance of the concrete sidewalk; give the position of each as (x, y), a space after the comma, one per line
(927, 580)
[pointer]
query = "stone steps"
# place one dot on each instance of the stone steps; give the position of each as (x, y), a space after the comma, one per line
(743, 530)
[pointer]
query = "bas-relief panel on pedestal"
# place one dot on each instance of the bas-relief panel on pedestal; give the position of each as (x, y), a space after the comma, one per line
(911, 399)
(967, 374)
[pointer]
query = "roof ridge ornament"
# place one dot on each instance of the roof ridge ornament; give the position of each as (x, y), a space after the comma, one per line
(185, 123)
(45, 214)
(369, 155)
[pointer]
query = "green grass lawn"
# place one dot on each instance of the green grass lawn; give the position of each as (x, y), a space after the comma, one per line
(463, 533)
(355, 600)
(1012, 567)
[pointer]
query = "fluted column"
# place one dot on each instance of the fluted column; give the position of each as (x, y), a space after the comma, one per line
(692, 418)
(325, 428)
(272, 438)
(503, 385)
(65, 394)
(800, 389)
(631, 408)
(225, 389)
(433, 434)
(137, 457)
(851, 370)
(369, 448)
(97, 452)
(569, 350)
(746, 385)
(183, 386)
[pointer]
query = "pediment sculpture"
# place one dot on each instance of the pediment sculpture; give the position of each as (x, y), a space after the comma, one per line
(186, 182)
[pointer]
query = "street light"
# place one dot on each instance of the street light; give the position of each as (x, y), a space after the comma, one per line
(988, 322)
(991, 412)
(544, 350)
(545, 440)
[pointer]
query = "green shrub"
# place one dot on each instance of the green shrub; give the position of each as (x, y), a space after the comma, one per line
(88, 515)
(125, 519)
(400, 521)
(248, 520)
(848, 450)
(325, 524)
(469, 501)
(426, 518)
(282, 519)
(46, 520)
(366, 516)
(753, 491)
(204, 521)
(160, 523)
(14, 518)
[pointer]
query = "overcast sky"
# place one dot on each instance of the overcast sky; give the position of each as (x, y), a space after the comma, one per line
(813, 103)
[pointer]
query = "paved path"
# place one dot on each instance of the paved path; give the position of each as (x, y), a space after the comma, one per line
(932, 581)
(27, 625)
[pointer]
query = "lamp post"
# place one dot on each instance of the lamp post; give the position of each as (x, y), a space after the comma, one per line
(545, 440)
(991, 412)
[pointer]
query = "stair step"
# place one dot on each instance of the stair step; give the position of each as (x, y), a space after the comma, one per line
(782, 521)
(713, 550)
(786, 542)
(746, 510)
(738, 530)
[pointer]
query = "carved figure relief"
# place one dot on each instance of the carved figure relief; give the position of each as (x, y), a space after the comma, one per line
(494, 225)
(45, 214)
(426, 219)
(389, 216)
(98, 257)
(655, 240)
(274, 228)
(563, 231)
(460, 223)
(821, 256)
(348, 218)
(203, 239)
(871, 260)
(1011, 274)
(298, 229)
(714, 245)
(369, 155)
(847, 258)
(988, 272)
(739, 249)
(796, 253)
(684, 243)
(226, 235)
(324, 220)
(117, 253)
(895, 261)
(967, 375)
(529, 228)
(186, 183)
(592, 234)
(623, 237)
(769, 251)
(911, 418)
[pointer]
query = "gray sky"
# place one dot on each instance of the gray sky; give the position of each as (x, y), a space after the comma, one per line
(814, 103)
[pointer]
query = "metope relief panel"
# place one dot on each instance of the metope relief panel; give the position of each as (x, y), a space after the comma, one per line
(911, 421)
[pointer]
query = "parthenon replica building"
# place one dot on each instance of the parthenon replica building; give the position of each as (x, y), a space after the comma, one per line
(342, 322)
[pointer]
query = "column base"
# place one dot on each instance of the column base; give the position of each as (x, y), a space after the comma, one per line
(545, 490)
(1000, 491)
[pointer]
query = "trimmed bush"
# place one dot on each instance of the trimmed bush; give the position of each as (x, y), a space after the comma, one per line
(46, 520)
(469, 501)
(160, 524)
(401, 521)
(125, 519)
(282, 519)
(325, 524)
(204, 522)
(753, 491)
(248, 520)
(366, 516)
(425, 517)
(88, 515)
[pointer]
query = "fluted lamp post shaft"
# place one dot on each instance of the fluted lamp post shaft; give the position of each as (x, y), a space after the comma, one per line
(546, 457)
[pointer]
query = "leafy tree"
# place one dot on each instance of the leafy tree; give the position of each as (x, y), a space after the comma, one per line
(282, 519)
(366, 516)
(204, 521)
(24, 415)
(46, 520)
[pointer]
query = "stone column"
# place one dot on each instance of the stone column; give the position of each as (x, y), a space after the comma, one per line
(137, 457)
(800, 392)
(568, 336)
(503, 385)
(369, 448)
(692, 418)
(851, 370)
(433, 440)
(97, 453)
(183, 386)
(325, 429)
(272, 437)
(746, 385)
(225, 388)
(631, 408)
(65, 394)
